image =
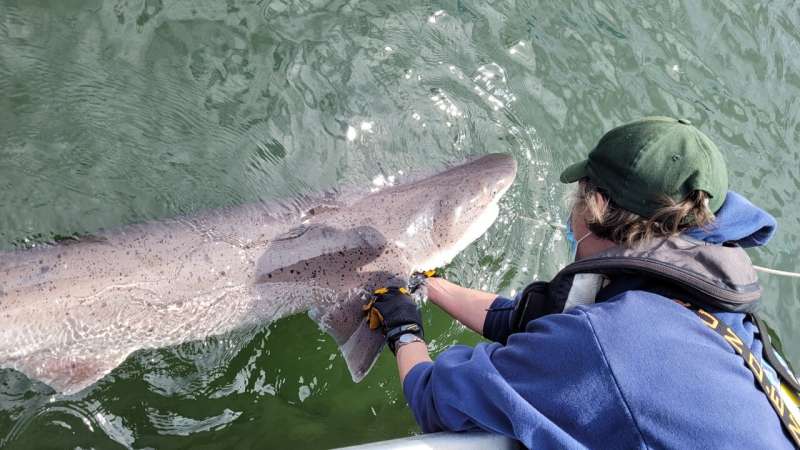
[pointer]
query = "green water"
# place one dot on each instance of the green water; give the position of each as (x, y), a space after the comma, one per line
(121, 111)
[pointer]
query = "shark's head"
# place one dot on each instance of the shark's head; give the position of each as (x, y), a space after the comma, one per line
(433, 219)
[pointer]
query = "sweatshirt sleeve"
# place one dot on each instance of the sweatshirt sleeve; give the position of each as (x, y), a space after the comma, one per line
(497, 324)
(533, 389)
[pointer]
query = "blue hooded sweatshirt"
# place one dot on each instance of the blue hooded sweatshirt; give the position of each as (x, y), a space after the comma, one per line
(633, 370)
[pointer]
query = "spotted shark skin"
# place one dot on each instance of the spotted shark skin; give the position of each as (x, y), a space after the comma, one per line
(71, 313)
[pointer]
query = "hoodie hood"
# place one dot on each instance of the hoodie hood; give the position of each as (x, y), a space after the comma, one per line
(737, 221)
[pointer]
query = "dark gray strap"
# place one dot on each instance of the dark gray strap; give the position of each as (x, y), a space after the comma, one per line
(769, 353)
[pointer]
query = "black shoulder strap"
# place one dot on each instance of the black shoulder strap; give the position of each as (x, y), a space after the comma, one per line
(534, 302)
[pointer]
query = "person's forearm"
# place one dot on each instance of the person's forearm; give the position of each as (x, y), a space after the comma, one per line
(409, 356)
(468, 306)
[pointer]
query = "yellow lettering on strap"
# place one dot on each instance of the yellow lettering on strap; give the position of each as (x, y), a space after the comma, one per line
(794, 427)
(683, 303)
(733, 339)
(775, 397)
(712, 321)
(756, 366)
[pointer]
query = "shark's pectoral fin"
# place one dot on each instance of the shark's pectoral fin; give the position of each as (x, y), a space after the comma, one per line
(359, 345)
(332, 259)
(343, 318)
(361, 350)
(67, 374)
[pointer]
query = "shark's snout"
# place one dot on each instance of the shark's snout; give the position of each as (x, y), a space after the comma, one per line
(507, 168)
(502, 162)
(496, 172)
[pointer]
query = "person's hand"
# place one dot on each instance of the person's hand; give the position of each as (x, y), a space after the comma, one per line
(418, 280)
(394, 312)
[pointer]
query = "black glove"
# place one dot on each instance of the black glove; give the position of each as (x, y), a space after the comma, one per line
(418, 279)
(395, 313)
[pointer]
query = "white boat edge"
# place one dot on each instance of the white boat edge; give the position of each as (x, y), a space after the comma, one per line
(443, 441)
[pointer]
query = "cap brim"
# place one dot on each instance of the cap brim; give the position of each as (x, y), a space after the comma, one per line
(575, 172)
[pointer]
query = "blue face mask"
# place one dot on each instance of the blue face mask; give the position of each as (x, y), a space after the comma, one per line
(573, 244)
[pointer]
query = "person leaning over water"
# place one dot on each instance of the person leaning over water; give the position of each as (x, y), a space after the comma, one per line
(614, 352)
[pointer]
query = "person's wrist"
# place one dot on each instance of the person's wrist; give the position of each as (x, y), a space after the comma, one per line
(400, 332)
(433, 289)
(412, 343)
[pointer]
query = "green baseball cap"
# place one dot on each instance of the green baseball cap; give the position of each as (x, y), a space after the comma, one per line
(639, 163)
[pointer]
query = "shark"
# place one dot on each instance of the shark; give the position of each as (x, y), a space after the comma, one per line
(72, 312)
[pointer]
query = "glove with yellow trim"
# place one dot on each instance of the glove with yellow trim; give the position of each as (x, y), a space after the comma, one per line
(395, 313)
(418, 279)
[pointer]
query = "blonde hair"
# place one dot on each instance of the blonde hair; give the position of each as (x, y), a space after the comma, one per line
(609, 221)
